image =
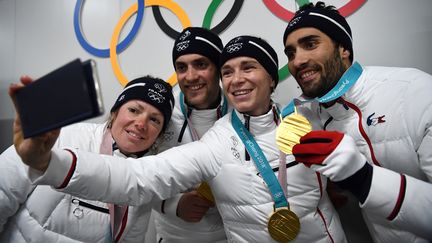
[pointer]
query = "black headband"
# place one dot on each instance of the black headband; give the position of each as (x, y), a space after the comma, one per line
(154, 91)
(197, 40)
(330, 22)
(254, 47)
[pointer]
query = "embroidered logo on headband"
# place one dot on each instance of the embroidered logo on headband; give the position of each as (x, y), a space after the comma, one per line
(294, 21)
(156, 96)
(234, 47)
(160, 88)
(185, 35)
(181, 46)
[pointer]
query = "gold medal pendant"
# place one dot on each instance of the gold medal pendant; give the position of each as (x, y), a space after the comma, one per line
(205, 191)
(290, 130)
(283, 225)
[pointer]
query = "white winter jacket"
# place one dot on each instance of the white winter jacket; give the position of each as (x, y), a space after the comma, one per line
(31, 213)
(169, 227)
(388, 112)
(242, 196)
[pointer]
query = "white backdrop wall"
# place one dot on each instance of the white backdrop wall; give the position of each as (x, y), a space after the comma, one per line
(38, 36)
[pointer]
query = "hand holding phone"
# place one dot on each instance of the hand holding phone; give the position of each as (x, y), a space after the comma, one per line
(64, 96)
(36, 151)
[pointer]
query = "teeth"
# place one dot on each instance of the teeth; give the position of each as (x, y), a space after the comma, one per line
(195, 87)
(241, 92)
(135, 135)
(307, 74)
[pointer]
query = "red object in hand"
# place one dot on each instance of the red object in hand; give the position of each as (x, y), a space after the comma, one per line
(333, 154)
(316, 146)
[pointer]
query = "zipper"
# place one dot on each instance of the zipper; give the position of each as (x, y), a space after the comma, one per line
(78, 212)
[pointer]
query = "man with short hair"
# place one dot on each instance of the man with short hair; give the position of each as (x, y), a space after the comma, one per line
(200, 103)
(381, 115)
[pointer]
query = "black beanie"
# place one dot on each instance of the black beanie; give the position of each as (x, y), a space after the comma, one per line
(254, 47)
(330, 22)
(154, 91)
(197, 40)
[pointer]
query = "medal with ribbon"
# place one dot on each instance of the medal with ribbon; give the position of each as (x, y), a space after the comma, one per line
(283, 224)
(347, 80)
(294, 125)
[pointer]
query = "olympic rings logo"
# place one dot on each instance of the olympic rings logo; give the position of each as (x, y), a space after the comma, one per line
(182, 45)
(139, 7)
(155, 96)
(234, 47)
(346, 10)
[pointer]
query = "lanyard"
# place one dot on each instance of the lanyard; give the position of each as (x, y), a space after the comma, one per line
(260, 161)
(118, 214)
(347, 80)
(222, 110)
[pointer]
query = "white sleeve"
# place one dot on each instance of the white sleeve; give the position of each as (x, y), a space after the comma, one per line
(168, 207)
(418, 119)
(14, 184)
(425, 152)
(131, 181)
(403, 200)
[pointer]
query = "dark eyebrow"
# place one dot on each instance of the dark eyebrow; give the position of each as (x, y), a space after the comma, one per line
(141, 108)
(201, 59)
(194, 61)
(308, 38)
(302, 40)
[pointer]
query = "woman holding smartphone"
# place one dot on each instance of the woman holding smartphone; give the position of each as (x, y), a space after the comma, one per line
(41, 214)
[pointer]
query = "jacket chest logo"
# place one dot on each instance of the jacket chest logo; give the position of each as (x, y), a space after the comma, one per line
(234, 151)
(373, 120)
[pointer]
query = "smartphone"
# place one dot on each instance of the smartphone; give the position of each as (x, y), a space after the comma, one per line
(64, 96)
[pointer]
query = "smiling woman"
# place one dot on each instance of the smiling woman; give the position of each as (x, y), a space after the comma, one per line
(249, 74)
(139, 115)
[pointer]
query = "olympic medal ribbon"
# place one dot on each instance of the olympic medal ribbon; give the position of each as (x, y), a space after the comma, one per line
(260, 161)
(348, 79)
(283, 224)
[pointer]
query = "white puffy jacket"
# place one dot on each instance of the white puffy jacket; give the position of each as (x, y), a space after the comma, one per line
(169, 227)
(242, 196)
(31, 213)
(388, 112)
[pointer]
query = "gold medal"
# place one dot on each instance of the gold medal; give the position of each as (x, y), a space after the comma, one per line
(290, 130)
(283, 225)
(205, 191)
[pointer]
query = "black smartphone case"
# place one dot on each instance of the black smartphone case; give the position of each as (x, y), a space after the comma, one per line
(64, 96)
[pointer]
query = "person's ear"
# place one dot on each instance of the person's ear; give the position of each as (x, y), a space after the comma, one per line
(272, 85)
(112, 117)
(344, 53)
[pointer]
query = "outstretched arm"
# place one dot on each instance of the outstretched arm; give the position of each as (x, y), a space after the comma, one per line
(110, 179)
(402, 199)
(128, 181)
